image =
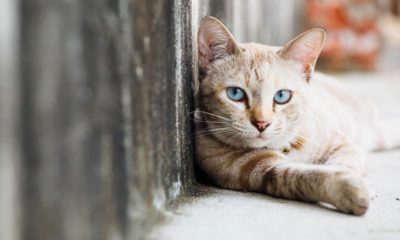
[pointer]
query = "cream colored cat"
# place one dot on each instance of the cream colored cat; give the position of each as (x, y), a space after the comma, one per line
(266, 123)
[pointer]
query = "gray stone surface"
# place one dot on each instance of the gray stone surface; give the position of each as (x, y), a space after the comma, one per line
(223, 214)
(95, 127)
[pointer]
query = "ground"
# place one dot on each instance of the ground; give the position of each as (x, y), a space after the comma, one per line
(224, 214)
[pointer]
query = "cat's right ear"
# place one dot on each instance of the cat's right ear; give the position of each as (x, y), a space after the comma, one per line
(214, 42)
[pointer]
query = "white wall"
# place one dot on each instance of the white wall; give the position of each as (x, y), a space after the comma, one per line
(8, 119)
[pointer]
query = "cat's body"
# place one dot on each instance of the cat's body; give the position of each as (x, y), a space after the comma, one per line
(309, 147)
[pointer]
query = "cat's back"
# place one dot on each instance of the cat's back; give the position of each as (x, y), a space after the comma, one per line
(337, 92)
(339, 105)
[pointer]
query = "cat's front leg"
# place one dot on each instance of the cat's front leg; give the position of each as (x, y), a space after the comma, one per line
(347, 190)
(343, 189)
(348, 193)
(271, 172)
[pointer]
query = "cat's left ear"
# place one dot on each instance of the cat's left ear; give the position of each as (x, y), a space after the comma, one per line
(305, 49)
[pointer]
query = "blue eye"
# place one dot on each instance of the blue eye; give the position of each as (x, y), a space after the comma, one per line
(236, 94)
(283, 96)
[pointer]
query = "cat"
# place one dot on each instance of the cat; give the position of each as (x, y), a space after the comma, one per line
(266, 122)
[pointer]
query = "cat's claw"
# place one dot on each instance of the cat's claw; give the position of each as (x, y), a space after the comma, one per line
(350, 194)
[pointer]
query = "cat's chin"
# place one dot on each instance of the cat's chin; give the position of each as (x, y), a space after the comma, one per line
(262, 143)
(254, 142)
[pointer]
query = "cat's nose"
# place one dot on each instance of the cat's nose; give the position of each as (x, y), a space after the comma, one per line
(261, 125)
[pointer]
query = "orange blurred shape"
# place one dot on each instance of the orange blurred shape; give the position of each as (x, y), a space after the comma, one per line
(353, 39)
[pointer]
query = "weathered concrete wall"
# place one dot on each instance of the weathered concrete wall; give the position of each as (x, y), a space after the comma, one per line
(74, 163)
(272, 22)
(161, 102)
(106, 95)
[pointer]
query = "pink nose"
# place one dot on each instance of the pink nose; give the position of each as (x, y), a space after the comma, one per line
(261, 125)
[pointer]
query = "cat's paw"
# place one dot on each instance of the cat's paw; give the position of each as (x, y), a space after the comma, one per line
(349, 194)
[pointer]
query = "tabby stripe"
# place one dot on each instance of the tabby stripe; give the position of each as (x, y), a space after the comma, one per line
(298, 144)
(338, 148)
(233, 157)
(270, 180)
(257, 75)
(247, 169)
(325, 157)
(248, 79)
(251, 164)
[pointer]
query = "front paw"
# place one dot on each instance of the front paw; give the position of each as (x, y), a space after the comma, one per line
(349, 194)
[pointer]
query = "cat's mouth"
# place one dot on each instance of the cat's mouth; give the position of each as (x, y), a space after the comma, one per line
(260, 136)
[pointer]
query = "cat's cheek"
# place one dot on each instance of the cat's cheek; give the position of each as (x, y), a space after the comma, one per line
(278, 125)
(279, 109)
(240, 106)
(233, 106)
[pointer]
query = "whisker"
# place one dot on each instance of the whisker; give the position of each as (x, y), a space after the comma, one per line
(216, 129)
(215, 115)
(197, 120)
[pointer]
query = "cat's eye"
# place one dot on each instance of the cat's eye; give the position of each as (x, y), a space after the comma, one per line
(236, 93)
(282, 96)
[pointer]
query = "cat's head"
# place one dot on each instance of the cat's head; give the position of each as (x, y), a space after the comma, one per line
(252, 95)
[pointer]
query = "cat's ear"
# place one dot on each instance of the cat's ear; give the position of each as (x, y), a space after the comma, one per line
(214, 42)
(305, 49)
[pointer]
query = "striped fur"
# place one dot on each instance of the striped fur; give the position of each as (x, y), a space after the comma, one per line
(309, 152)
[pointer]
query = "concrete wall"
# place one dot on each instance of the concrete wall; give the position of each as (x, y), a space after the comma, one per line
(272, 22)
(106, 101)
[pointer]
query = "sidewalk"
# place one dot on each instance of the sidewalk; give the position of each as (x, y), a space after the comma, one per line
(232, 215)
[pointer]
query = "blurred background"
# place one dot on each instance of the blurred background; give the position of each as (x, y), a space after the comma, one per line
(362, 34)
(95, 138)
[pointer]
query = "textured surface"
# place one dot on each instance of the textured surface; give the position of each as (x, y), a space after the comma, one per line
(105, 96)
(224, 214)
(74, 175)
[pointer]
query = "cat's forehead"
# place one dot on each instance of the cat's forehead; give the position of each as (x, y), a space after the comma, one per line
(256, 66)
(261, 64)
(255, 55)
